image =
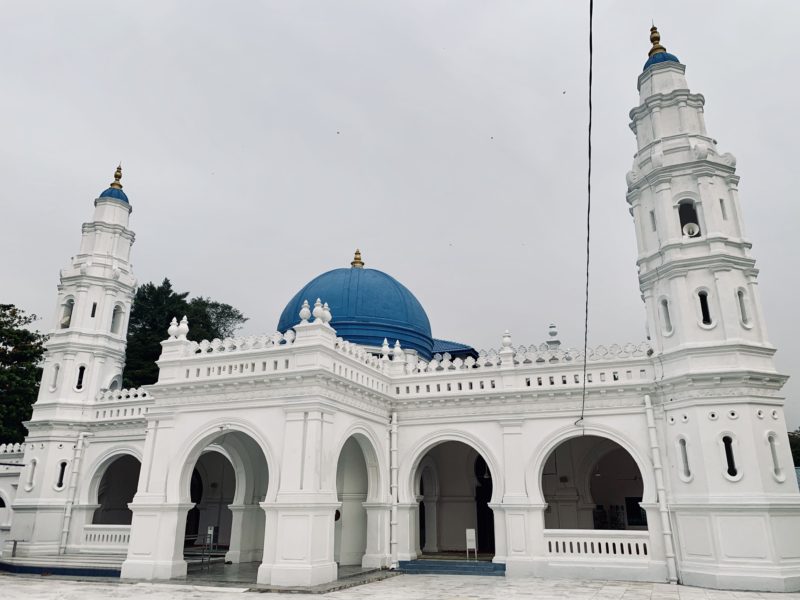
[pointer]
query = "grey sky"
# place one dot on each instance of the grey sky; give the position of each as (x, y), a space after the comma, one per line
(262, 142)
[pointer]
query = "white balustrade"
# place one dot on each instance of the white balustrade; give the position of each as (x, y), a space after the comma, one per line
(110, 538)
(591, 544)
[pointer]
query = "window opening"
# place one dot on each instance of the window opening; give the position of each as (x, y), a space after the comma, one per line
(704, 310)
(666, 320)
(94, 309)
(79, 382)
(653, 220)
(56, 369)
(690, 224)
(687, 472)
(723, 209)
(743, 307)
(62, 469)
(116, 319)
(31, 473)
(773, 449)
(728, 443)
(66, 315)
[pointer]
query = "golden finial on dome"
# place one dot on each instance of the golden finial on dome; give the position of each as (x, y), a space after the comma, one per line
(357, 263)
(655, 39)
(117, 176)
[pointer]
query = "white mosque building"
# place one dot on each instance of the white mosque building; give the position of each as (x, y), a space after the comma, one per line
(352, 438)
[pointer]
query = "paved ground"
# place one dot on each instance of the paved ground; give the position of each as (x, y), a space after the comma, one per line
(403, 587)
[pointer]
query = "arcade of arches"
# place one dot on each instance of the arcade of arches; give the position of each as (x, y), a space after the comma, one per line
(590, 482)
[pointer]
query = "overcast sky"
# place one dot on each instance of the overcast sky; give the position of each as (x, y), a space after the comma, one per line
(262, 142)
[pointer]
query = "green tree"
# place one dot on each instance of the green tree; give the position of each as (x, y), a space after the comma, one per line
(794, 444)
(153, 309)
(21, 353)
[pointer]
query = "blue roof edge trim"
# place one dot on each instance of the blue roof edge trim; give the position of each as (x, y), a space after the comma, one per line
(455, 349)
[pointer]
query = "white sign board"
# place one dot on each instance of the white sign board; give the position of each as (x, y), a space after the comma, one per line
(471, 543)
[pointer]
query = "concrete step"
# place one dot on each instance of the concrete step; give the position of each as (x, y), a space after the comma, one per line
(452, 567)
(92, 565)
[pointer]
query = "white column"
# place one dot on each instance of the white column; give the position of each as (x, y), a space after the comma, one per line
(377, 554)
(155, 550)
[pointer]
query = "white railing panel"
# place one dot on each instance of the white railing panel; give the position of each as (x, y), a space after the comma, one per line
(606, 544)
(112, 537)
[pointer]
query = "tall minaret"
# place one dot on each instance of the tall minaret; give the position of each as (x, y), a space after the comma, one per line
(696, 274)
(731, 489)
(85, 353)
(86, 349)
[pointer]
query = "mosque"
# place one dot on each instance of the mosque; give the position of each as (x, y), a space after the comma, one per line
(352, 438)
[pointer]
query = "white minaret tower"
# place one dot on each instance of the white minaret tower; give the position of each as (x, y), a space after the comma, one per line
(731, 489)
(86, 349)
(85, 353)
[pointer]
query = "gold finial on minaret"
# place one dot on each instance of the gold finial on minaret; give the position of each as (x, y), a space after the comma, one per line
(117, 176)
(357, 262)
(655, 39)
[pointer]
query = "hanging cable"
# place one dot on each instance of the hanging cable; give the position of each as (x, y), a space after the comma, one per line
(579, 421)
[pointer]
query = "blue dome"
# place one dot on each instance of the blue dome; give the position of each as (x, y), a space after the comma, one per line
(660, 57)
(114, 193)
(367, 306)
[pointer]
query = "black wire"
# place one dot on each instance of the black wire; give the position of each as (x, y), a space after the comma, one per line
(588, 224)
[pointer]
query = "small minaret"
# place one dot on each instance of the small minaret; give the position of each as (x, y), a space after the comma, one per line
(86, 348)
(696, 274)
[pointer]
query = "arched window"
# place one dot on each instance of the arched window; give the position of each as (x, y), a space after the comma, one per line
(666, 320)
(727, 442)
(705, 311)
(743, 314)
(62, 470)
(687, 213)
(687, 472)
(54, 383)
(116, 319)
(773, 449)
(66, 313)
(79, 381)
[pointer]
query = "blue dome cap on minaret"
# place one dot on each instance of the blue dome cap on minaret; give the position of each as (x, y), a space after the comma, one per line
(658, 54)
(115, 188)
(368, 306)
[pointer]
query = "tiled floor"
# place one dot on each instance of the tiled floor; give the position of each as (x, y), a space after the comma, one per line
(403, 587)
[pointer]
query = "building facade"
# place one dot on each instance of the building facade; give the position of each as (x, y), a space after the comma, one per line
(353, 437)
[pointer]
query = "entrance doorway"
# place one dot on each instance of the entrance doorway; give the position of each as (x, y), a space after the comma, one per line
(454, 487)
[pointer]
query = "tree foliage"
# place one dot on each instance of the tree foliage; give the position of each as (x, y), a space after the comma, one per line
(794, 444)
(21, 353)
(154, 306)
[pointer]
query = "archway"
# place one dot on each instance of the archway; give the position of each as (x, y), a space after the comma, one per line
(116, 490)
(225, 478)
(454, 486)
(350, 521)
(211, 489)
(591, 482)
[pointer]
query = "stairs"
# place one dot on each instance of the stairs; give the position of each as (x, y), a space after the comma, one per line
(84, 564)
(452, 567)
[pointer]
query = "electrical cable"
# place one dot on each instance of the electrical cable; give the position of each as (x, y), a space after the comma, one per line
(579, 421)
